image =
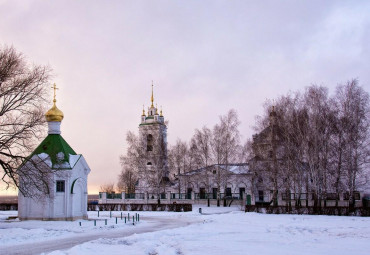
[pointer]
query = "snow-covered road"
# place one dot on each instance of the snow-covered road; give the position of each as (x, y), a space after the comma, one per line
(43, 246)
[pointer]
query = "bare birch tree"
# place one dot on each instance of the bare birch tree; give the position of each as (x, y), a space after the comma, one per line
(323, 145)
(178, 160)
(201, 147)
(354, 109)
(108, 188)
(131, 164)
(225, 147)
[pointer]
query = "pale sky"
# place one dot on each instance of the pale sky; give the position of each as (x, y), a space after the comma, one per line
(205, 57)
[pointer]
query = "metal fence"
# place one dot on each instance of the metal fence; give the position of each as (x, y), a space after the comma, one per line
(228, 196)
(157, 196)
(135, 196)
(114, 196)
(180, 195)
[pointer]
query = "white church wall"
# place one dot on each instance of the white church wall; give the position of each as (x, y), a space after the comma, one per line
(60, 205)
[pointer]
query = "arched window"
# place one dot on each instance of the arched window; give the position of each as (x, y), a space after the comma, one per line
(149, 144)
(149, 164)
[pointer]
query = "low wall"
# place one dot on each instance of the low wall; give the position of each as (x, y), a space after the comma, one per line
(339, 211)
(141, 207)
(8, 207)
(120, 207)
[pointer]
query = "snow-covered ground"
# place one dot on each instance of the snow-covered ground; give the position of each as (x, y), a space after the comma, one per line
(225, 231)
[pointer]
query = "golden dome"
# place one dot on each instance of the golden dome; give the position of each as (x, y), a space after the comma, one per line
(54, 114)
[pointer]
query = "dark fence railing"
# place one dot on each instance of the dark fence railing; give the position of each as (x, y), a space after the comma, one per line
(114, 196)
(141, 207)
(227, 196)
(180, 195)
(156, 196)
(135, 196)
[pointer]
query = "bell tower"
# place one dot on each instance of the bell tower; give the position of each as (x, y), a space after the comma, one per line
(153, 139)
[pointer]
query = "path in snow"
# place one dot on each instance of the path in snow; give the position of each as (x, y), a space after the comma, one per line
(152, 224)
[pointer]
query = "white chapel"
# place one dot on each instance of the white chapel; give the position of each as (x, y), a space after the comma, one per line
(67, 174)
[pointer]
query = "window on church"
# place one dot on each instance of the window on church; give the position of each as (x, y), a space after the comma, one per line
(202, 193)
(214, 193)
(60, 186)
(149, 140)
(260, 196)
(149, 164)
(228, 192)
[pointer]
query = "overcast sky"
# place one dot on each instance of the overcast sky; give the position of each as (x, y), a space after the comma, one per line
(205, 57)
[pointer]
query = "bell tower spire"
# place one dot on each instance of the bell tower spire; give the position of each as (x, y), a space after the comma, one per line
(153, 112)
(152, 98)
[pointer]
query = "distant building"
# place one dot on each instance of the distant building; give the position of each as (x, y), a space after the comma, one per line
(66, 176)
(263, 180)
(214, 182)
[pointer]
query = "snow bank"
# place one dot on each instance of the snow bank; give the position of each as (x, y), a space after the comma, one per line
(217, 231)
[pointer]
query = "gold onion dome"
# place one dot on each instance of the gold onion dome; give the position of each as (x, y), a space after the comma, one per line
(54, 114)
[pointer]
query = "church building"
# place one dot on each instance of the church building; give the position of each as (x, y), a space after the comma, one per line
(153, 172)
(66, 177)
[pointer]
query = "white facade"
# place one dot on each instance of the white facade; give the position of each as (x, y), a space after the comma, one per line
(217, 182)
(58, 205)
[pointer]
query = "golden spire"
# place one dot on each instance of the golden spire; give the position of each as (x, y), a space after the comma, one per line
(54, 114)
(161, 112)
(143, 111)
(152, 99)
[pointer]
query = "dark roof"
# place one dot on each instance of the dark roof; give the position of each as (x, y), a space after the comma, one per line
(52, 145)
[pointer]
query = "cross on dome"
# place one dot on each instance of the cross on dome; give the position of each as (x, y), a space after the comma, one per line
(55, 88)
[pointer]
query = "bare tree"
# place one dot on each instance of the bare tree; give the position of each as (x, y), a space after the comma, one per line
(322, 145)
(225, 147)
(201, 147)
(317, 140)
(22, 100)
(127, 180)
(354, 108)
(267, 147)
(108, 188)
(178, 160)
(131, 164)
(246, 152)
